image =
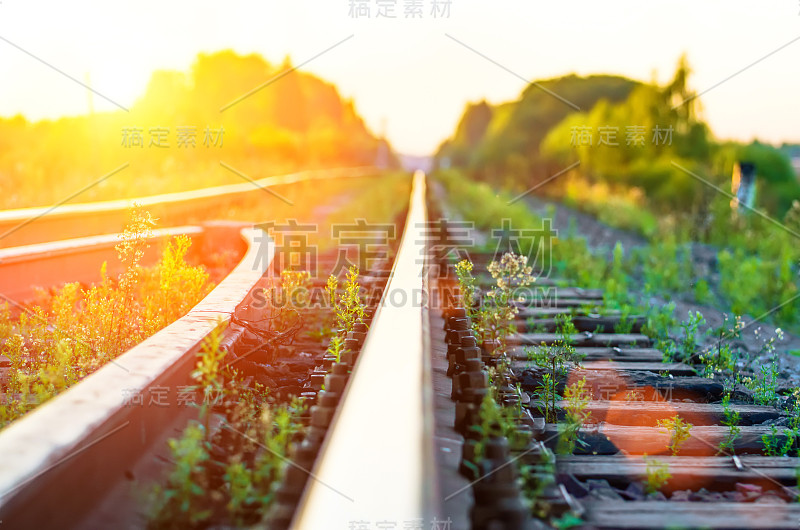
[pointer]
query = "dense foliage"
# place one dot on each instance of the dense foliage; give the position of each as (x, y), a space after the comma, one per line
(629, 136)
(501, 144)
(175, 135)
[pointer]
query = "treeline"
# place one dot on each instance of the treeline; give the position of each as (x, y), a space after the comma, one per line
(176, 134)
(625, 134)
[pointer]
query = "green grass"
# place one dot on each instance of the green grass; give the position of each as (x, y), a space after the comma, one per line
(76, 331)
(757, 262)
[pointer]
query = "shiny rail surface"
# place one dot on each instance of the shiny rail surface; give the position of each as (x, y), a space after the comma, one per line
(88, 435)
(27, 226)
(27, 268)
(377, 462)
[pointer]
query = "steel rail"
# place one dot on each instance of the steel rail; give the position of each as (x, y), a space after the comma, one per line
(380, 447)
(27, 226)
(43, 265)
(60, 458)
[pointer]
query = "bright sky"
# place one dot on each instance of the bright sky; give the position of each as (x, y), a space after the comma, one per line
(407, 71)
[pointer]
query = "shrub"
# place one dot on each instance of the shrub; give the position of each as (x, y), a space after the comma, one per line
(77, 331)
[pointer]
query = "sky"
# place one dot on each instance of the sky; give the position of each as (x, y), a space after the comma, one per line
(408, 77)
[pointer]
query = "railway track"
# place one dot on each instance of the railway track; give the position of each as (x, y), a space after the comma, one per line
(618, 471)
(46, 247)
(28, 226)
(26, 269)
(380, 455)
(396, 429)
(106, 435)
(89, 431)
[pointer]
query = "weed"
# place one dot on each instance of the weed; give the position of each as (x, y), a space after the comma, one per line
(497, 314)
(535, 326)
(294, 295)
(566, 330)
(348, 306)
(756, 283)
(625, 324)
(577, 397)
(336, 347)
(518, 392)
(554, 361)
(547, 393)
(731, 421)
(243, 493)
(178, 285)
(208, 371)
(679, 430)
(634, 395)
(182, 500)
(466, 287)
(75, 330)
(536, 479)
(255, 456)
(765, 384)
(660, 320)
(568, 520)
(495, 421)
(702, 292)
(723, 360)
(657, 474)
(774, 442)
(690, 342)
(130, 252)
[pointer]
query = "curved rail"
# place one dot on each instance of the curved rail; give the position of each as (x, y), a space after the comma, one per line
(27, 268)
(87, 436)
(37, 225)
(43, 265)
(379, 450)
